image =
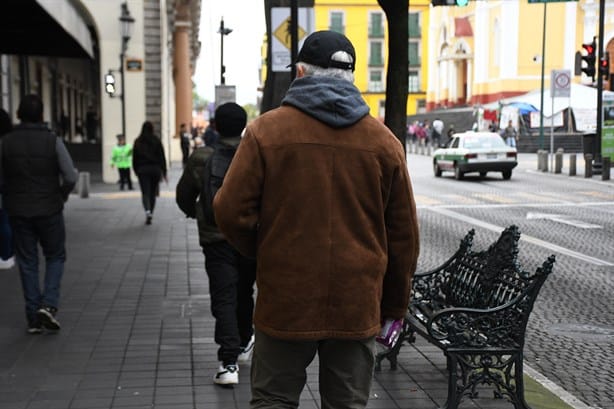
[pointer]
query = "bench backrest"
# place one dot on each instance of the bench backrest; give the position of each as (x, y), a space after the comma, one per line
(486, 278)
(483, 280)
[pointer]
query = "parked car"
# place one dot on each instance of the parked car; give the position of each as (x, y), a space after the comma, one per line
(480, 152)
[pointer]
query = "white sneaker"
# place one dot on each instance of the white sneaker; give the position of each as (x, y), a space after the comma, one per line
(8, 263)
(227, 375)
(246, 353)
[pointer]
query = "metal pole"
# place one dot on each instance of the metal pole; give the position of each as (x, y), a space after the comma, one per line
(541, 106)
(552, 133)
(123, 93)
(597, 145)
(222, 79)
(293, 37)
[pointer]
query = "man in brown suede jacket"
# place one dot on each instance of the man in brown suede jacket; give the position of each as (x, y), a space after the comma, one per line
(319, 192)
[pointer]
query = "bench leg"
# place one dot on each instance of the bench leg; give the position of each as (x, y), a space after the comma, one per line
(518, 398)
(502, 371)
(453, 399)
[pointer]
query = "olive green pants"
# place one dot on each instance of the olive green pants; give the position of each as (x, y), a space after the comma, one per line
(278, 373)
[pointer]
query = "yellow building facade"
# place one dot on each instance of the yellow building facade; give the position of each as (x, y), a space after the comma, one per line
(492, 49)
(364, 23)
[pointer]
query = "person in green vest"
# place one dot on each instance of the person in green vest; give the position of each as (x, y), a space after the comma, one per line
(121, 157)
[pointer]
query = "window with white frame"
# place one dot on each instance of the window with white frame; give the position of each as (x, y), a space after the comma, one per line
(5, 83)
(376, 53)
(413, 51)
(376, 81)
(413, 81)
(336, 22)
(496, 42)
(376, 26)
(414, 28)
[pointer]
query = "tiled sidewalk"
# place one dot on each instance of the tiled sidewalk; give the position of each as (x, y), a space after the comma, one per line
(137, 331)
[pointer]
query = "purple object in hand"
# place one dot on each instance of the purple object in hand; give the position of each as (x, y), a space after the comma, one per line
(391, 330)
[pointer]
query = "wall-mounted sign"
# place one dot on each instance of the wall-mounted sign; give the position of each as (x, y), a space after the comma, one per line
(134, 64)
(280, 38)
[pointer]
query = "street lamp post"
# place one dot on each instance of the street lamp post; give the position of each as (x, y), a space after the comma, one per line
(126, 22)
(224, 31)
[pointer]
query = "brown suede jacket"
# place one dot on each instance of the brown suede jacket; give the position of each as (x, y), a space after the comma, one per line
(330, 215)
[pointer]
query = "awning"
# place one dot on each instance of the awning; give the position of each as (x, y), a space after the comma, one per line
(44, 27)
(462, 27)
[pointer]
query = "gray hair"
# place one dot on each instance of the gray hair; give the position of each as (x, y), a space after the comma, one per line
(339, 73)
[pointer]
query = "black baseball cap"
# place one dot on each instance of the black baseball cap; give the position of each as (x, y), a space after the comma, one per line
(319, 47)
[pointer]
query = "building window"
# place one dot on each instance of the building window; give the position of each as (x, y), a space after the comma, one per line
(413, 81)
(376, 57)
(420, 106)
(376, 28)
(381, 112)
(496, 38)
(414, 53)
(5, 84)
(414, 25)
(336, 22)
(376, 81)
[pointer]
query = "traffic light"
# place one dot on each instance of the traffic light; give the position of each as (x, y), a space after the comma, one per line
(604, 66)
(109, 84)
(590, 59)
(460, 3)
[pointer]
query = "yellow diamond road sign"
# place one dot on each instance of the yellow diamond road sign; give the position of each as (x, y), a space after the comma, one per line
(282, 33)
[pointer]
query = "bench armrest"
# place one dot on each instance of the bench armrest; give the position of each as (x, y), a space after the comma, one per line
(501, 327)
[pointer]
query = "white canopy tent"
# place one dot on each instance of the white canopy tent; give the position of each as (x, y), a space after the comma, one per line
(582, 97)
(582, 101)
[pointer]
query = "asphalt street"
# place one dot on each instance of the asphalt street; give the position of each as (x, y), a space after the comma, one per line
(570, 335)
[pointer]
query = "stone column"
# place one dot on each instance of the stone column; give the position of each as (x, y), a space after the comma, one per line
(182, 75)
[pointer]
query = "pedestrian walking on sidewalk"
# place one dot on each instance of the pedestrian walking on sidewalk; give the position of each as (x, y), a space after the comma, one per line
(121, 158)
(38, 175)
(7, 256)
(149, 163)
(510, 135)
(330, 216)
(184, 143)
(231, 275)
(437, 132)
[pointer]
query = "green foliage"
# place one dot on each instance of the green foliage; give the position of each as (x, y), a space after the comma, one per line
(198, 102)
(252, 111)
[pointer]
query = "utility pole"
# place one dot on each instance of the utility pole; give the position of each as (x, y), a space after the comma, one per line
(223, 32)
(293, 37)
(597, 164)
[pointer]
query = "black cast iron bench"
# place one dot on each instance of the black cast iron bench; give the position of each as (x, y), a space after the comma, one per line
(475, 307)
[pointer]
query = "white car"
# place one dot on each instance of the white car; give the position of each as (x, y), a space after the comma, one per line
(480, 152)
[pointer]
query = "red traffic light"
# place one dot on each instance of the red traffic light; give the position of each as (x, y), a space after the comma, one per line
(604, 66)
(590, 48)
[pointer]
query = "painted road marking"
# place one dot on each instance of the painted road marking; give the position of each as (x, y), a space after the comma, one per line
(528, 239)
(562, 219)
(493, 197)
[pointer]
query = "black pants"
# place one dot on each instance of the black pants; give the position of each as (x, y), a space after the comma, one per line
(124, 178)
(149, 189)
(231, 287)
(185, 152)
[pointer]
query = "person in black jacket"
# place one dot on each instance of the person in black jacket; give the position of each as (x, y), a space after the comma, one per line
(38, 175)
(149, 165)
(231, 275)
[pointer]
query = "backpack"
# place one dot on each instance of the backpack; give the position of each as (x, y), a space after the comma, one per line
(215, 169)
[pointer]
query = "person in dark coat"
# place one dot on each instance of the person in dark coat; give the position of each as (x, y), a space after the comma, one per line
(38, 175)
(7, 259)
(149, 164)
(330, 217)
(231, 275)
